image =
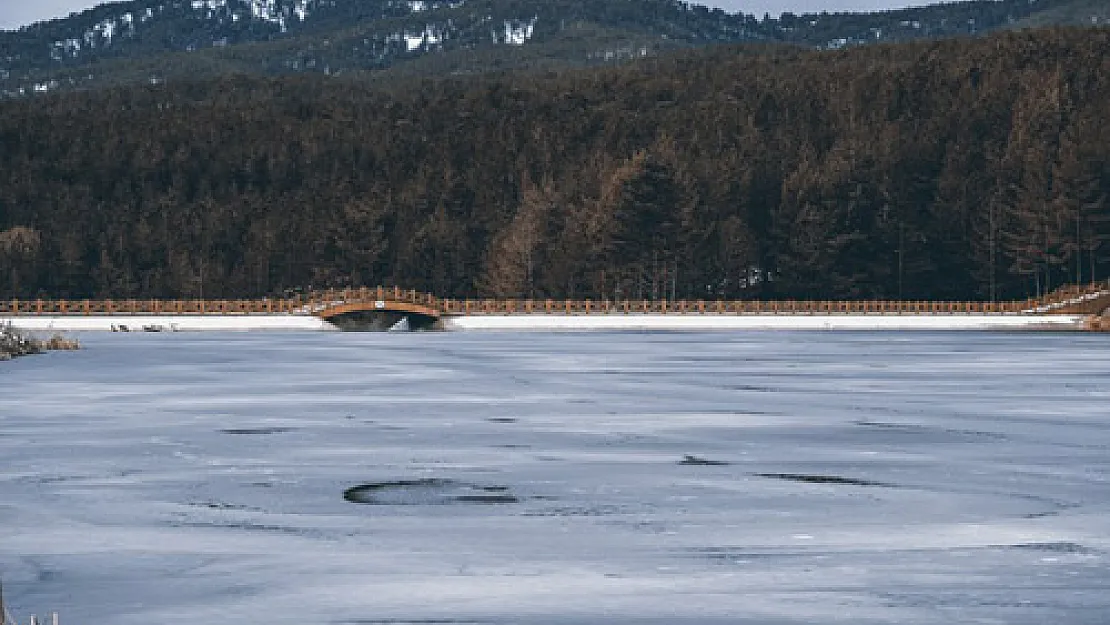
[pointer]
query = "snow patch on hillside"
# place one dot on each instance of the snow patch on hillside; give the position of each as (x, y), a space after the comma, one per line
(432, 35)
(420, 6)
(209, 5)
(267, 11)
(100, 35)
(516, 32)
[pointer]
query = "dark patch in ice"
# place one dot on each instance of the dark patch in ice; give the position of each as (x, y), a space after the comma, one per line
(1041, 515)
(265, 430)
(427, 492)
(701, 462)
(1053, 547)
(219, 505)
(501, 420)
(808, 478)
(368, 493)
(512, 446)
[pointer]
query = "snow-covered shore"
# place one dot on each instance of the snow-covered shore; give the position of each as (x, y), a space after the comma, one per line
(166, 323)
(763, 322)
(540, 322)
(557, 322)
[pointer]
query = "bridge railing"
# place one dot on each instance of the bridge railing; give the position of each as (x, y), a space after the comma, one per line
(1071, 298)
(490, 306)
(145, 307)
(366, 294)
(694, 307)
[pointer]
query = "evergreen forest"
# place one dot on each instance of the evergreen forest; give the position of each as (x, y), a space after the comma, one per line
(952, 169)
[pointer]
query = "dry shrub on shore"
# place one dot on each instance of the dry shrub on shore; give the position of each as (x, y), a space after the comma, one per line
(14, 343)
(61, 343)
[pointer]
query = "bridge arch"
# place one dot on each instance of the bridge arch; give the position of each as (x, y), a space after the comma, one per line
(378, 315)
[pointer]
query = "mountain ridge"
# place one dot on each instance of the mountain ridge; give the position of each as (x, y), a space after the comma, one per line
(154, 40)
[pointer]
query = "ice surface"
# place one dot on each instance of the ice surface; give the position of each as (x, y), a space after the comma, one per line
(559, 478)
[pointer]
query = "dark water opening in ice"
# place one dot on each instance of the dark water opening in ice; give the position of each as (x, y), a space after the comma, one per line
(427, 492)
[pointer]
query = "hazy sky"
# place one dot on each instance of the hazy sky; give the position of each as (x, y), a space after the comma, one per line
(16, 13)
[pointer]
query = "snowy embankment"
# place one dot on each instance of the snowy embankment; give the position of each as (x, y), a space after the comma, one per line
(763, 322)
(165, 323)
(540, 322)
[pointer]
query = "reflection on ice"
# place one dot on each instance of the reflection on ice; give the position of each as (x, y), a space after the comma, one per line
(770, 478)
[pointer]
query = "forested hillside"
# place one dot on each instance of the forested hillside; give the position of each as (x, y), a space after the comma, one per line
(951, 169)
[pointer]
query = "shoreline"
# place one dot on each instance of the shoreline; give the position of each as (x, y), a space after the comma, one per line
(167, 323)
(557, 322)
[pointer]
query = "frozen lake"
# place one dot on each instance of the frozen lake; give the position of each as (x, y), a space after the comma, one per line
(775, 477)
